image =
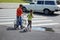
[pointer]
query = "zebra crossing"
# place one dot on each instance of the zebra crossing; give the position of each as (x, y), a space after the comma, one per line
(36, 21)
(41, 21)
(8, 16)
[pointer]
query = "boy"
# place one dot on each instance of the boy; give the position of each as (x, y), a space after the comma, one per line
(30, 16)
(19, 16)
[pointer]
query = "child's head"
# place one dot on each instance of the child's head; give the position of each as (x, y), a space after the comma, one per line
(31, 11)
(20, 5)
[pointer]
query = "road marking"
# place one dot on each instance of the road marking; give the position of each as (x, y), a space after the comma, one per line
(36, 18)
(8, 17)
(39, 21)
(34, 21)
(7, 20)
(1, 20)
(22, 17)
(45, 24)
(5, 23)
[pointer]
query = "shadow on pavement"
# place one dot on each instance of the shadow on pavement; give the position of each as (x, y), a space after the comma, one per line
(10, 28)
(52, 15)
(22, 31)
(48, 29)
(1, 8)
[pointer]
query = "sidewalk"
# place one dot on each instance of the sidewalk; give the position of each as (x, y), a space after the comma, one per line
(10, 5)
(34, 35)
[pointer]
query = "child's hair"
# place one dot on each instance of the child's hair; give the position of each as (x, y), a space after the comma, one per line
(31, 10)
(20, 5)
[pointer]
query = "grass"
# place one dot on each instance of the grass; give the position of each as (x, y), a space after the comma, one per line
(12, 1)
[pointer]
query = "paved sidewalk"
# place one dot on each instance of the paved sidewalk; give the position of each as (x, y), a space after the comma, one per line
(34, 35)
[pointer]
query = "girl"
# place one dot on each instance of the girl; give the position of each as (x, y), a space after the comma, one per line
(30, 16)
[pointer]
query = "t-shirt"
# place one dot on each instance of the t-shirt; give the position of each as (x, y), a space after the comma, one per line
(29, 16)
(19, 11)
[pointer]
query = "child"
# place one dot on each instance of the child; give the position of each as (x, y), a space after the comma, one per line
(19, 16)
(30, 16)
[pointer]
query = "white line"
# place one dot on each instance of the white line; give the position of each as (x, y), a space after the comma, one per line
(5, 23)
(1, 20)
(40, 17)
(23, 17)
(39, 21)
(45, 24)
(36, 18)
(7, 17)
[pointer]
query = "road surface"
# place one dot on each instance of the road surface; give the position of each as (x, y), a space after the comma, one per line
(7, 17)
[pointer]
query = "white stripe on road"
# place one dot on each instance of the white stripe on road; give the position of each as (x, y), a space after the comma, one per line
(36, 18)
(33, 21)
(45, 24)
(37, 21)
(8, 17)
(5, 23)
(22, 17)
(1, 20)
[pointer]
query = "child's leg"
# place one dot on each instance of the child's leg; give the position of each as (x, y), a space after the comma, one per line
(20, 22)
(30, 25)
(17, 22)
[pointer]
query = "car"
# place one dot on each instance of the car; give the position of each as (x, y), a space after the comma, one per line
(43, 6)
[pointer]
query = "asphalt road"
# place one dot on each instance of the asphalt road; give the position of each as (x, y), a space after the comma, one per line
(7, 17)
